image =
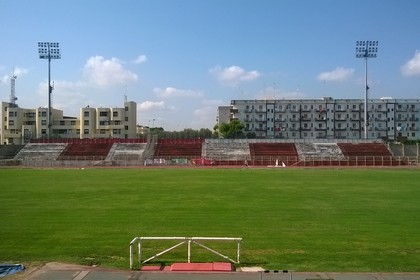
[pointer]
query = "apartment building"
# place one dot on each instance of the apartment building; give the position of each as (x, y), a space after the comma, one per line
(19, 125)
(329, 118)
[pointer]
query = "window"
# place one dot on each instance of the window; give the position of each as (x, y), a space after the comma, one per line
(126, 119)
(103, 114)
(102, 131)
(126, 109)
(62, 123)
(43, 114)
(86, 114)
(73, 122)
(11, 122)
(43, 131)
(117, 123)
(43, 122)
(86, 131)
(115, 114)
(86, 122)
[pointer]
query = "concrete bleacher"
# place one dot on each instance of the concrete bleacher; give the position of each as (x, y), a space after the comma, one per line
(126, 151)
(86, 151)
(273, 149)
(364, 149)
(41, 151)
(405, 150)
(226, 149)
(9, 151)
(319, 150)
(178, 148)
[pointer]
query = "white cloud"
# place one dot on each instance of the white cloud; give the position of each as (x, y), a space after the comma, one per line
(17, 71)
(140, 59)
(275, 93)
(412, 67)
(339, 74)
(107, 72)
(233, 75)
(150, 105)
(174, 92)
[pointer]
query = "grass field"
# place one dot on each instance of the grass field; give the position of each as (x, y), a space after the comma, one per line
(301, 219)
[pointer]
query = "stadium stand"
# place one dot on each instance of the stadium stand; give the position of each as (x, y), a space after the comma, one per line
(226, 151)
(183, 148)
(40, 151)
(272, 153)
(9, 151)
(364, 149)
(86, 151)
(319, 150)
(126, 151)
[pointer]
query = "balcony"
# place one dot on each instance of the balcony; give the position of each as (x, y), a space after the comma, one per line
(320, 129)
(281, 120)
(340, 128)
(340, 110)
(381, 129)
(380, 120)
(248, 120)
(320, 119)
(260, 120)
(413, 119)
(293, 120)
(340, 120)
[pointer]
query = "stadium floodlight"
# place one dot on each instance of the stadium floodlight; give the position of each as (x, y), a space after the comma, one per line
(366, 49)
(48, 50)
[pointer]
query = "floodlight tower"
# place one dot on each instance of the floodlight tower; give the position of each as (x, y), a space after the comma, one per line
(49, 51)
(366, 49)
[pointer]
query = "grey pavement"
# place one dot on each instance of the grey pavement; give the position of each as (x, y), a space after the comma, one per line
(56, 271)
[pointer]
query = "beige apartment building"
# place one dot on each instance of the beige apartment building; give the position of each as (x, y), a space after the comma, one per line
(19, 125)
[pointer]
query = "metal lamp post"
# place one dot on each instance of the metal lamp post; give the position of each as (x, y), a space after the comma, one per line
(366, 49)
(49, 51)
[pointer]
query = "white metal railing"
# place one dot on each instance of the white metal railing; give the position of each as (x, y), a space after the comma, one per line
(184, 240)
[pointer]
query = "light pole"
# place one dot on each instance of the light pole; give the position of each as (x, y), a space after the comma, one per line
(49, 51)
(366, 49)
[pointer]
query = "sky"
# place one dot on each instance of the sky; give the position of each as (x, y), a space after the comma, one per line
(181, 59)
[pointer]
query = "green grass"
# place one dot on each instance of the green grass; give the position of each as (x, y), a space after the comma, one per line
(301, 219)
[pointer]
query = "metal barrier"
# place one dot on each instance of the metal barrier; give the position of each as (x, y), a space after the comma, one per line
(188, 241)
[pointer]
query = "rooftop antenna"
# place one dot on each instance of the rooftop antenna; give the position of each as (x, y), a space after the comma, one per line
(125, 94)
(13, 97)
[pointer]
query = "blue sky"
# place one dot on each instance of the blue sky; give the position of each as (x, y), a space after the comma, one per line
(181, 59)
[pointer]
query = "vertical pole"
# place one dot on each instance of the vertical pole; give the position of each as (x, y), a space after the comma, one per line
(49, 91)
(139, 248)
(131, 256)
(366, 96)
(239, 251)
(189, 251)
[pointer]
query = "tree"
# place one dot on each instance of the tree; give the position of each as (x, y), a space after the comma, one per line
(232, 129)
